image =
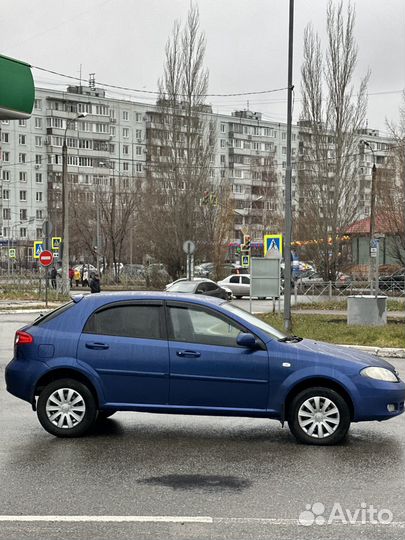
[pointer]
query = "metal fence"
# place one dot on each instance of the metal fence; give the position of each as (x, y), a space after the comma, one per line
(334, 290)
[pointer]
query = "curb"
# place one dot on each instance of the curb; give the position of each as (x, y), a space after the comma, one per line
(384, 352)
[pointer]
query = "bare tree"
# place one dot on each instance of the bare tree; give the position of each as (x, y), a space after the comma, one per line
(332, 115)
(181, 143)
(391, 189)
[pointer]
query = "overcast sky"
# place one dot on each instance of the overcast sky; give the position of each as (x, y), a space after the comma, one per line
(122, 41)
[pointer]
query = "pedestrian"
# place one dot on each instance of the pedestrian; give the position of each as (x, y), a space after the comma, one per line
(77, 276)
(53, 277)
(95, 283)
(85, 276)
(71, 274)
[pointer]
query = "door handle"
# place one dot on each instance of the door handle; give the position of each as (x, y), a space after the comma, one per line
(189, 354)
(95, 345)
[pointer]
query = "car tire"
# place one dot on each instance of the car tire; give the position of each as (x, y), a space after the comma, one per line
(319, 416)
(103, 415)
(238, 296)
(66, 408)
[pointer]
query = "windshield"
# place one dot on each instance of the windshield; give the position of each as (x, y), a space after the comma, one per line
(182, 286)
(248, 317)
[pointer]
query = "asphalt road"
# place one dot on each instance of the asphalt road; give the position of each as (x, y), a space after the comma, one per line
(228, 478)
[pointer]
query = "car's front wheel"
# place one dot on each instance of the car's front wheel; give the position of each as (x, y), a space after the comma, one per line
(319, 416)
(66, 408)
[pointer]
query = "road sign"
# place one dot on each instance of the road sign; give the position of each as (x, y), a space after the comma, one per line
(189, 247)
(56, 242)
(12, 253)
(38, 248)
(273, 242)
(56, 254)
(46, 258)
(245, 261)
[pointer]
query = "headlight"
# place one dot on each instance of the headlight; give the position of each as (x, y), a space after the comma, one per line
(379, 374)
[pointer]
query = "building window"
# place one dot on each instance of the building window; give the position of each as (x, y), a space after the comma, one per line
(23, 195)
(22, 158)
(38, 196)
(38, 122)
(39, 233)
(38, 141)
(22, 139)
(23, 176)
(38, 178)
(125, 166)
(6, 194)
(23, 214)
(125, 115)
(6, 156)
(125, 133)
(138, 134)
(22, 123)
(39, 214)
(38, 159)
(223, 126)
(6, 175)
(38, 103)
(223, 143)
(4, 137)
(6, 213)
(125, 149)
(112, 131)
(138, 150)
(138, 167)
(138, 117)
(23, 232)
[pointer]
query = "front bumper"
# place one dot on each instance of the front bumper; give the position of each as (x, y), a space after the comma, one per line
(374, 397)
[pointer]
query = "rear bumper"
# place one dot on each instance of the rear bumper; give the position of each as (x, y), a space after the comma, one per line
(21, 377)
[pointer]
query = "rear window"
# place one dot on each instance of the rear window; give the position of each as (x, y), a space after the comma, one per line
(53, 314)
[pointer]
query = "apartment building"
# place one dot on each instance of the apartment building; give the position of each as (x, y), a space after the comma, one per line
(111, 142)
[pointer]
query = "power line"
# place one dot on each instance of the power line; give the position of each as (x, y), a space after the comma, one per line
(155, 92)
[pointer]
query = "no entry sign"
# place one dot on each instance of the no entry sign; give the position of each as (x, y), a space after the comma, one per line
(46, 258)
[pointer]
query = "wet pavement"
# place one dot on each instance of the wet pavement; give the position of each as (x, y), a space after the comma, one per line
(227, 477)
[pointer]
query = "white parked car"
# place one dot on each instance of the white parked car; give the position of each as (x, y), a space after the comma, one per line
(239, 284)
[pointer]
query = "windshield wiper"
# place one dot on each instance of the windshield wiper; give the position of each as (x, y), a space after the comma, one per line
(293, 339)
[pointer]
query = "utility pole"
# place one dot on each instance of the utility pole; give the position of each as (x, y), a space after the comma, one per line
(288, 209)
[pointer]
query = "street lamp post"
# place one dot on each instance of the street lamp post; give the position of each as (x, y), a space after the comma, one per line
(65, 210)
(373, 263)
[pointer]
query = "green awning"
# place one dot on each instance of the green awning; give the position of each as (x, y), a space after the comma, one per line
(17, 90)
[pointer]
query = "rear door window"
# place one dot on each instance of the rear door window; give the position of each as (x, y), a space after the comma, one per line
(134, 321)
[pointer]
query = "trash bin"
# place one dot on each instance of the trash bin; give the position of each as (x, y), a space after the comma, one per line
(367, 310)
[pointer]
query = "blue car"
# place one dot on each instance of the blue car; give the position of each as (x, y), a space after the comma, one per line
(189, 354)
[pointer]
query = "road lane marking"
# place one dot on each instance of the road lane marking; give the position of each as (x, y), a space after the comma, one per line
(183, 519)
(111, 519)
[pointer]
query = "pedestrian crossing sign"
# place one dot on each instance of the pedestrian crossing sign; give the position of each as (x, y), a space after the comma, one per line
(273, 242)
(56, 242)
(245, 261)
(38, 248)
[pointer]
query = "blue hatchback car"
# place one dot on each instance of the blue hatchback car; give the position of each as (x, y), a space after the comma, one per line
(188, 354)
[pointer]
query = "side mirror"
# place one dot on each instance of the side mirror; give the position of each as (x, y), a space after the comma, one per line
(246, 340)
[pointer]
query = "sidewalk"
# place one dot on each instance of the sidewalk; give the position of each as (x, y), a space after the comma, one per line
(343, 313)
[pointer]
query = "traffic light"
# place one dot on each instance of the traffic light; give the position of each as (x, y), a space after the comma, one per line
(246, 242)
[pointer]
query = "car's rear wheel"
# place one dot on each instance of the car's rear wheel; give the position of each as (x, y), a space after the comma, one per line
(66, 408)
(319, 416)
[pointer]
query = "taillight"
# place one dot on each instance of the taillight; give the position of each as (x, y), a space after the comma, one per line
(23, 338)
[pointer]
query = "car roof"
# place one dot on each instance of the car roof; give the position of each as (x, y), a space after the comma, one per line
(100, 299)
